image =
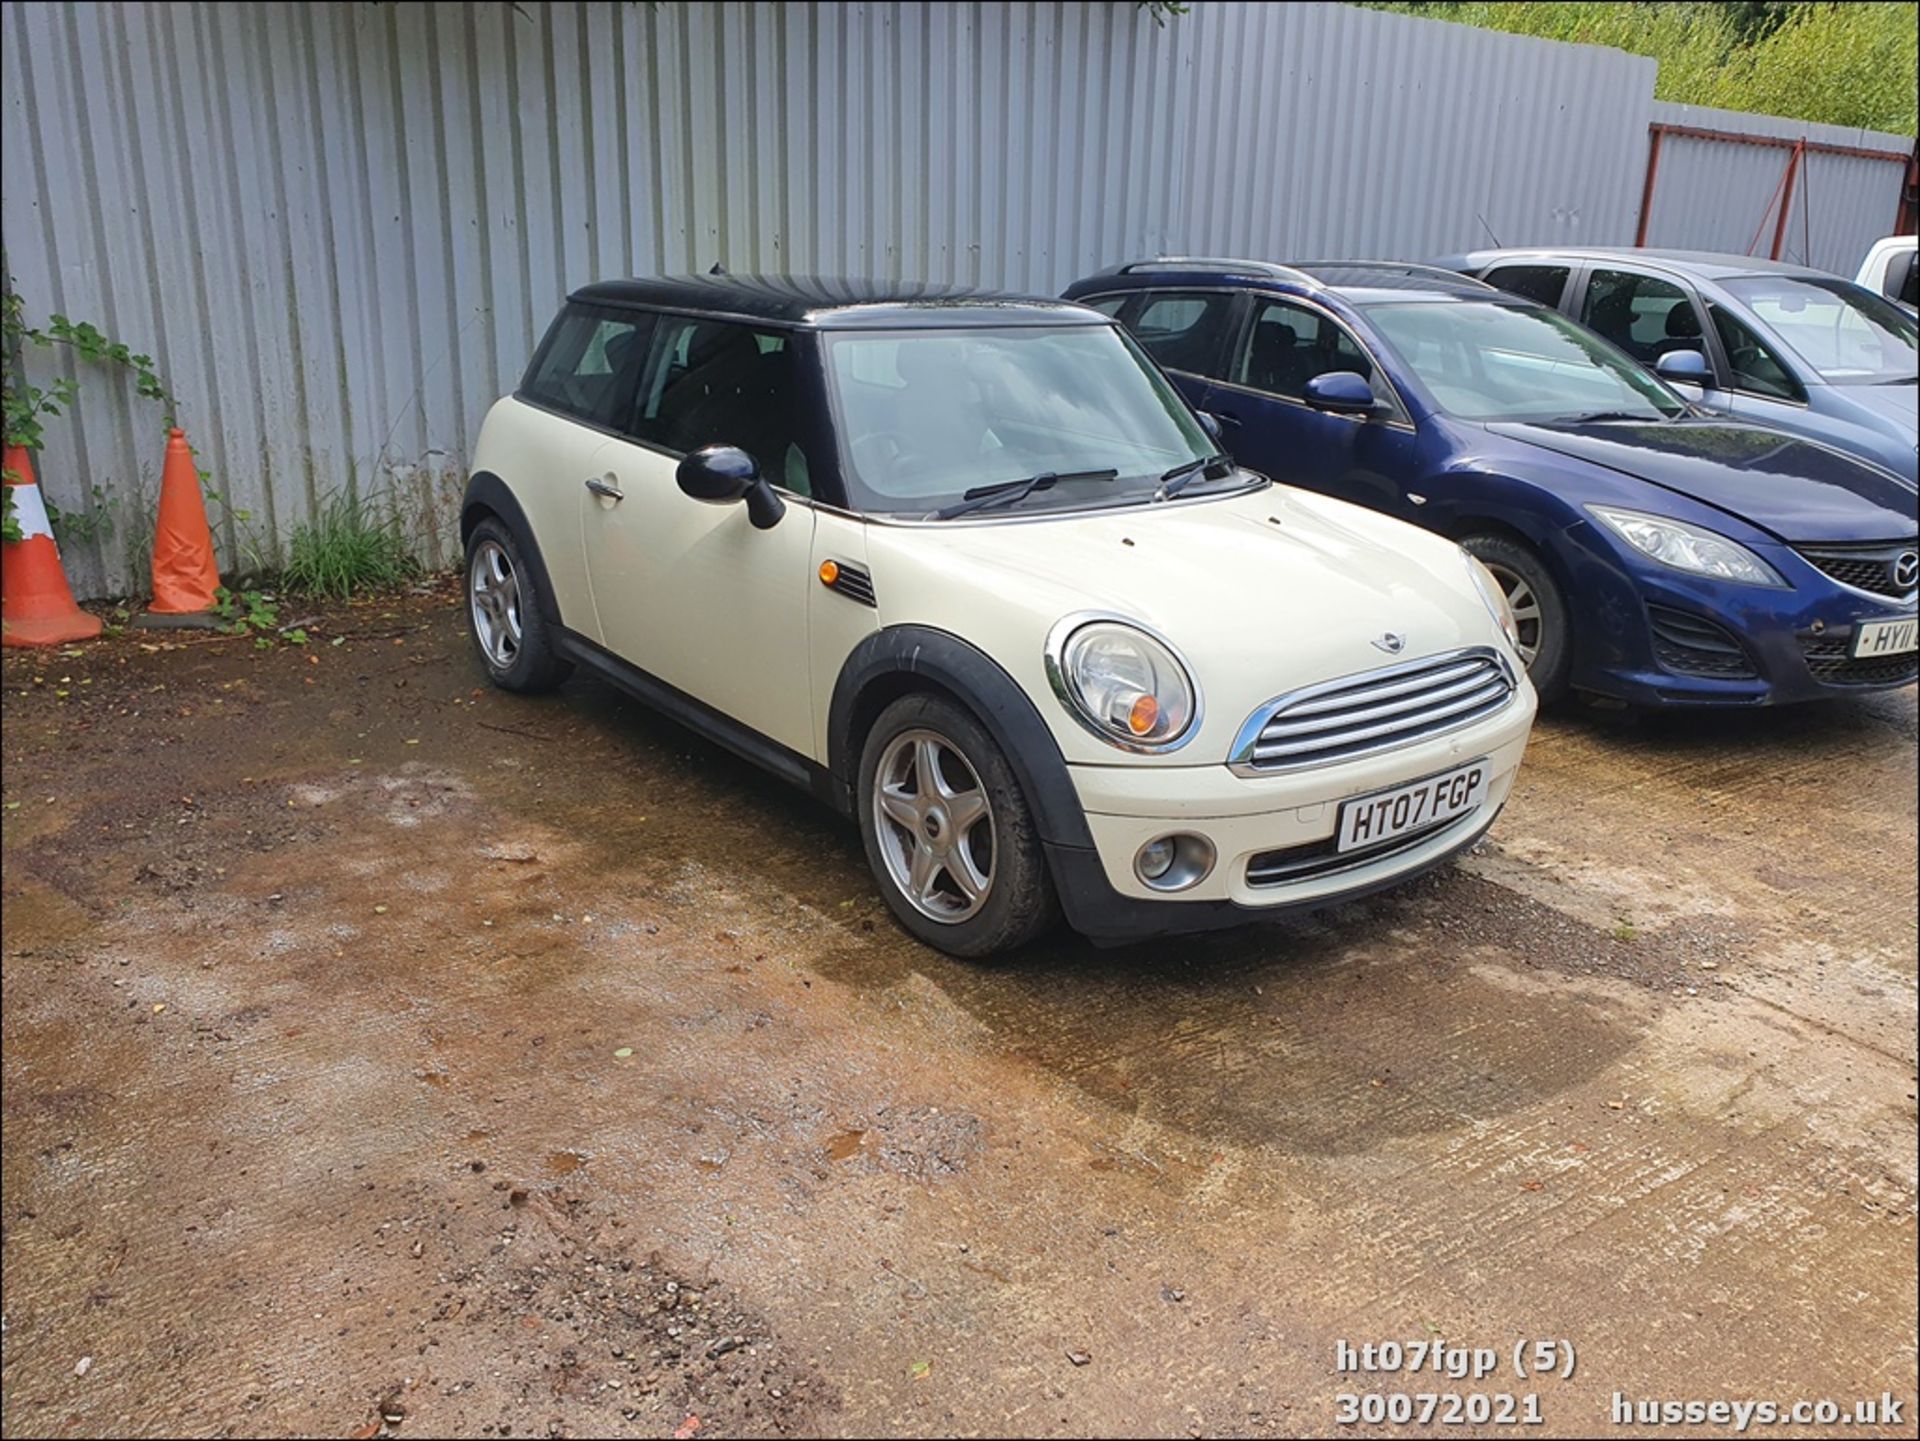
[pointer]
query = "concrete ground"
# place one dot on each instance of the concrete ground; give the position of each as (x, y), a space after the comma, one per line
(383, 1052)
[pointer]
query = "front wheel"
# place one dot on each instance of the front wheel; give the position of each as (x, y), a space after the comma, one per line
(948, 832)
(1539, 610)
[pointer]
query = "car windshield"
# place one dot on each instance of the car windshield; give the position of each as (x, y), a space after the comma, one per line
(927, 416)
(1485, 360)
(1849, 335)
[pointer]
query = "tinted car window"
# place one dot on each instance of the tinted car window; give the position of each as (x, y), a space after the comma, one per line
(1906, 275)
(1290, 344)
(1642, 314)
(713, 382)
(589, 365)
(1108, 304)
(1544, 283)
(1754, 366)
(1183, 331)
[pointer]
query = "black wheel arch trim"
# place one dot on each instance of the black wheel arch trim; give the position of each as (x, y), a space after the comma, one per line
(487, 494)
(869, 679)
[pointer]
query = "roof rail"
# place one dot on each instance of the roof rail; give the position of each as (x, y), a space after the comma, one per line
(1409, 268)
(1216, 262)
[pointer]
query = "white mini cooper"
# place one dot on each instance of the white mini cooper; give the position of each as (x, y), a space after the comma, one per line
(968, 569)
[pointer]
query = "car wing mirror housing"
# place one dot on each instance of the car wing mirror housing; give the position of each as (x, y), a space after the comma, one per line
(725, 474)
(1689, 367)
(1210, 423)
(1343, 392)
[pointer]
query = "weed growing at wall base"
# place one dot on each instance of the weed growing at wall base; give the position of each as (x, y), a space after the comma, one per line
(345, 550)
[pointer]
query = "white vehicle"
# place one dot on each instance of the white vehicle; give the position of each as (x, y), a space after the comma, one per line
(968, 569)
(1890, 270)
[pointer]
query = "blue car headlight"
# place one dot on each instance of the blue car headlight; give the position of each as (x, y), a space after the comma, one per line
(1691, 548)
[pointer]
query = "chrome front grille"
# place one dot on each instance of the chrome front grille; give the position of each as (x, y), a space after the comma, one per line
(1374, 711)
(1890, 570)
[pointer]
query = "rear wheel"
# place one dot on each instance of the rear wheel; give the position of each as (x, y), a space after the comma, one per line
(1539, 611)
(503, 614)
(948, 832)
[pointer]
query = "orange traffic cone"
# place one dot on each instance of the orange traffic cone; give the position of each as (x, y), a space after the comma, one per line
(36, 603)
(184, 573)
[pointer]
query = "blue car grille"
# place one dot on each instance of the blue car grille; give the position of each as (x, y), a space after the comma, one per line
(1827, 658)
(1690, 645)
(1374, 711)
(1883, 569)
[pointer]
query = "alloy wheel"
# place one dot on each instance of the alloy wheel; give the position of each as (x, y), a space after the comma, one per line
(934, 824)
(1526, 609)
(494, 592)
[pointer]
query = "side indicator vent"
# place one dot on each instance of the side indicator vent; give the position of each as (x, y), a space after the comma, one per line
(849, 580)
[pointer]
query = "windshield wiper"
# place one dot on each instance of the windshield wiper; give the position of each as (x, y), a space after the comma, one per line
(1174, 481)
(1007, 492)
(1590, 417)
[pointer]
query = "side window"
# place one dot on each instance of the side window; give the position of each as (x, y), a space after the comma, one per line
(1108, 305)
(1903, 278)
(713, 382)
(1544, 283)
(589, 365)
(1290, 344)
(1642, 314)
(1755, 367)
(1183, 330)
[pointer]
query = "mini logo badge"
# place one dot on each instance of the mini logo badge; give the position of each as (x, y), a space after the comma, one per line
(1390, 642)
(1906, 570)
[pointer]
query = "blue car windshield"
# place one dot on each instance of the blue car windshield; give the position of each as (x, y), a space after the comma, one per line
(927, 416)
(1844, 331)
(1489, 360)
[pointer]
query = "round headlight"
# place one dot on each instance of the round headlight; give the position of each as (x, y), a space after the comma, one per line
(1124, 685)
(1494, 596)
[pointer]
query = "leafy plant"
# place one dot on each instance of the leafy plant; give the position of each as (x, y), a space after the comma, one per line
(344, 550)
(252, 612)
(1840, 64)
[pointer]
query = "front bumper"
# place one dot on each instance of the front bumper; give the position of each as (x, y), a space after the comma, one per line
(1249, 817)
(1635, 623)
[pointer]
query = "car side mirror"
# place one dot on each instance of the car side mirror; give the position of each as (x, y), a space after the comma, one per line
(1342, 392)
(724, 474)
(1689, 367)
(1210, 423)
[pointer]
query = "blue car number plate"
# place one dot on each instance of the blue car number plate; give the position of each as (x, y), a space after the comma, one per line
(1886, 637)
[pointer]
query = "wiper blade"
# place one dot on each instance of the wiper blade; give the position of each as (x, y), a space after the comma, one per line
(1182, 475)
(1589, 417)
(1007, 492)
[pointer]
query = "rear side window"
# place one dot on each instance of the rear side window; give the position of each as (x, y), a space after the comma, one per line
(1183, 330)
(715, 382)
(589, 365)
(1754, 365)
(1903, 278)
(1544, 283)
(1642, 314)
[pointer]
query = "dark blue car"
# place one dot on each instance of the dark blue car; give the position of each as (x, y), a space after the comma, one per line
(1651, 553)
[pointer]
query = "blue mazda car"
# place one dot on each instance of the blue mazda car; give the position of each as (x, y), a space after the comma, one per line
(1651, 553)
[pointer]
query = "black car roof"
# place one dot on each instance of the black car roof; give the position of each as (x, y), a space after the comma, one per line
(834, 304)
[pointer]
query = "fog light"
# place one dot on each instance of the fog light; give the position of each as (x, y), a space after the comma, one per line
(1173, 863)
(1156, 859)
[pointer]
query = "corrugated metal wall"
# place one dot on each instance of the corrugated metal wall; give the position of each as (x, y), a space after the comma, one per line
(340, 227)
(1714, 195)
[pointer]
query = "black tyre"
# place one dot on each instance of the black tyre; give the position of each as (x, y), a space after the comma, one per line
(948, 832)
(1539, 610)
(513, 638)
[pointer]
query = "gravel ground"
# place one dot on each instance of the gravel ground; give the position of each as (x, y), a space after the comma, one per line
(383, 1053)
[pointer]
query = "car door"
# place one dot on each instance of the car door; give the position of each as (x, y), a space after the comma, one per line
(1261, 403)
(690, 592)
(1649, 316)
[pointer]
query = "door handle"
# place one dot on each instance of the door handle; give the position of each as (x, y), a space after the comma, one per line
(605, 488)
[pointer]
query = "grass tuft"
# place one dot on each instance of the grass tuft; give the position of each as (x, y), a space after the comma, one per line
(345, 550)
